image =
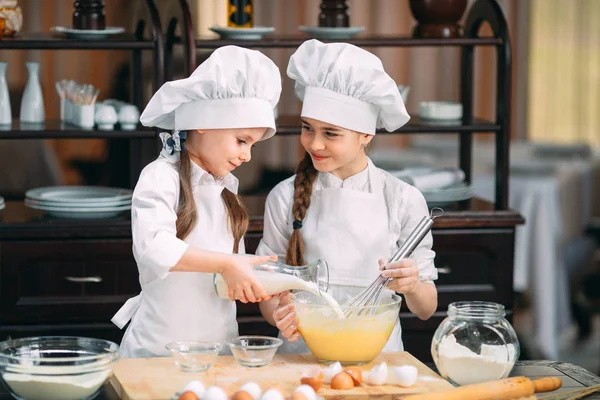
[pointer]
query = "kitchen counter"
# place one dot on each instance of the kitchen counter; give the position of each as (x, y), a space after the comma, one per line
(573, 377)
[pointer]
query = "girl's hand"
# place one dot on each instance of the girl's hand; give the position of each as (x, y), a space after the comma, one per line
(285, 317)
(404, 274)
(241, 281)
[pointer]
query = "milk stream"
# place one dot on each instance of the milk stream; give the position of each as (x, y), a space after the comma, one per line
(275, 283)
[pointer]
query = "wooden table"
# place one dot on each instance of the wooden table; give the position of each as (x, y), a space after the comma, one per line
(572, 376)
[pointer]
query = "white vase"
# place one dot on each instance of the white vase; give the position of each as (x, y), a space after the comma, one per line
(32, 103)
(5, 112)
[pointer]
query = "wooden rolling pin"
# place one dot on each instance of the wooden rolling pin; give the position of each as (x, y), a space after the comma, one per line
(504, 389)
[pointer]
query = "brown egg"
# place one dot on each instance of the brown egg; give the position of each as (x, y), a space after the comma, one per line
(314, 382)
(241, 395)
(187, 396)
(298, 396)
(355, 373)
(342, 381)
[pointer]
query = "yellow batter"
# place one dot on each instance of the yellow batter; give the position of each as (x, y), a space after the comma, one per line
(352, 340)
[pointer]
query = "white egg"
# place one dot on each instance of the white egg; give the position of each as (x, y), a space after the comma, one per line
(196, 387)
(307, 391)
(271, 394)
(405, 375)
(252, 389)
(214, 393)
(331, 371)
(378, 374)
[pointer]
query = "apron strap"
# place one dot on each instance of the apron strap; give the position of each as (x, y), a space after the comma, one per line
(123, 316)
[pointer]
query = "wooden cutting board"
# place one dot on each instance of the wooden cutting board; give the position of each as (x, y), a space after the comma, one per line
(159, 378)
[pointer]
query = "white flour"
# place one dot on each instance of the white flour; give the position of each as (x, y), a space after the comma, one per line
(465, 367)
(46, 387)
(274, 283)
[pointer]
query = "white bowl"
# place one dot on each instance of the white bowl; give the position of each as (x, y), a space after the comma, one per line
(440, 110)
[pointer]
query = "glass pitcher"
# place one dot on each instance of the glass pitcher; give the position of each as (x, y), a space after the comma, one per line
(277, 277)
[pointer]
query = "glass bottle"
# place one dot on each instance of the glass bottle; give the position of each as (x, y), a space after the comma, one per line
(277, 277)
(475, 343)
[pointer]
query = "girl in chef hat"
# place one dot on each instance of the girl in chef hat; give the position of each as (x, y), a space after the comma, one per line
(339, 206)
(187, 218)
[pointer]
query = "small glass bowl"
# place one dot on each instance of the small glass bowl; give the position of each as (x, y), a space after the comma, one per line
(56, 367)
(254, 351)
(190, 356)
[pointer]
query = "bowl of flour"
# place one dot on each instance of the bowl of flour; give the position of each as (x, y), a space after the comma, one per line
(56, 367)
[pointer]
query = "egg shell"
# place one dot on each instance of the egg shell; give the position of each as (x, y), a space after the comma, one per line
(355, 373)
(307, 391)
(331, 371)
(378, 374)
(405, 375)
(253, 388)
(195, 386)
(342, 381)
(188, 395)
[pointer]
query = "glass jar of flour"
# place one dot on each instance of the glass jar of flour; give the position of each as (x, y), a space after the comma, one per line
(276, 277)
(475, 343)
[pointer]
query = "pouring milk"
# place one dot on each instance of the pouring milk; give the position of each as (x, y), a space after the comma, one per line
(274, 283)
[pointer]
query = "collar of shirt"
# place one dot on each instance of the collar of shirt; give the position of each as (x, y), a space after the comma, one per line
(359, 181)
(201, 178)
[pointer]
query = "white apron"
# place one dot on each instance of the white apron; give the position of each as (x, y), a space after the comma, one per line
(184, 305)
(350, 230)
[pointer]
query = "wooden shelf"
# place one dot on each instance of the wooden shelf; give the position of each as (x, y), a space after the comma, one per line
(19, 222)
(276, 41)
(56, 41)
(61, 130)
(290, 125)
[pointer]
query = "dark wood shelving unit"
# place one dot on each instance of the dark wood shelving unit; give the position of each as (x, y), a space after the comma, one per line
(60, 130)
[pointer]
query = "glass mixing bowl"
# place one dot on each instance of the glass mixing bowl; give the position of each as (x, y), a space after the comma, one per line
(355, 340)
(56, 367)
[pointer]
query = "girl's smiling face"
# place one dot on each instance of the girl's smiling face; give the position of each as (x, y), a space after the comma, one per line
(333, 149)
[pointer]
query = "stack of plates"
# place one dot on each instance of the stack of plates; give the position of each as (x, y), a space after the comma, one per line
(2, 205)
(84, 202)
(443, 196)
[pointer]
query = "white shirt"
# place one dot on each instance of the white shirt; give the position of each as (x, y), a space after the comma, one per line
(156, 247)
(406, 208)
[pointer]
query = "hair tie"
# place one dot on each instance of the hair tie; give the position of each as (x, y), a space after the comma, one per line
(297, 224)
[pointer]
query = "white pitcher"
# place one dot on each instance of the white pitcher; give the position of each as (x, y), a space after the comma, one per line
(5, 112)
(32, 103)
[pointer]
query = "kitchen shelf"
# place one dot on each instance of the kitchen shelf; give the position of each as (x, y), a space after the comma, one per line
(18, 222)
(60, 130)
(58, 41)
(292, 41)
(290, 125)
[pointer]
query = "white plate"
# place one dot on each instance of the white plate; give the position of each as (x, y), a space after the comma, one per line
(81, 213)
(320, 32)
(88, 33)
(69, 195)
(2, 204)
(447, 195)
(101, 204)
(255, 33)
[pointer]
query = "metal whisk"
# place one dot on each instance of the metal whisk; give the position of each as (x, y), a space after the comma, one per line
(367, 300)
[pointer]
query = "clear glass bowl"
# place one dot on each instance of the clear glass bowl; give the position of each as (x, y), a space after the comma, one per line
(191, 356)
(355, 340)
(56, 367)
(254, 351)
(475, 343)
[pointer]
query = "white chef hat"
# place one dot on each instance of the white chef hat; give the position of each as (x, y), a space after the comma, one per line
(233, 88)
(344, 85)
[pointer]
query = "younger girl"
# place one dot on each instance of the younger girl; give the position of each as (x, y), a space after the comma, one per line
(187, 218)
(339, 206)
